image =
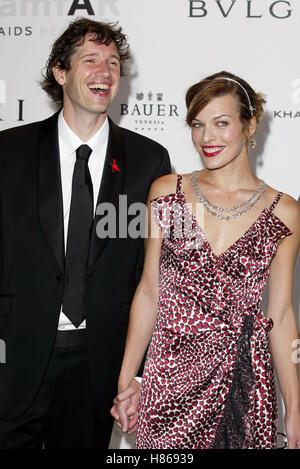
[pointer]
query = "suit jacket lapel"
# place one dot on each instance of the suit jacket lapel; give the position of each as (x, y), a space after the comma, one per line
(49, 189)
(111, 186)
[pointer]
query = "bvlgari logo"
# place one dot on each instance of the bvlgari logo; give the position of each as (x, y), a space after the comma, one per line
(149, 111)
(18, 107)
(252, 9)
(19, 111)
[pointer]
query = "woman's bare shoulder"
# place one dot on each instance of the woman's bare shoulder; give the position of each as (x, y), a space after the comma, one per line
(164, 185)
(287, 209)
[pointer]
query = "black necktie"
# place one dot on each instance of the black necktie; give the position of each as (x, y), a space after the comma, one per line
(80, 222)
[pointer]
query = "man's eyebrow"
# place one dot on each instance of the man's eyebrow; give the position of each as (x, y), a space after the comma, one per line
(94, 54)
(114, 56)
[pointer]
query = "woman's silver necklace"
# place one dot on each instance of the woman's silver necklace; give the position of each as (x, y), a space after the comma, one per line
(207, 204)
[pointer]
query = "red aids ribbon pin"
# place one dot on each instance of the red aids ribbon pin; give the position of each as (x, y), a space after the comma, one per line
(115, 166)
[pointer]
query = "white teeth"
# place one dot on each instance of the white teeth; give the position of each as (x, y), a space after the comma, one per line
(212, 149)
(98, 86)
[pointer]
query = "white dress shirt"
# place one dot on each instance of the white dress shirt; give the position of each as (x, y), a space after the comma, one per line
(68, 144)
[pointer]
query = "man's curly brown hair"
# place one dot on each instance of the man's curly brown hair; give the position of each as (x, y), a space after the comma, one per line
(74, 36)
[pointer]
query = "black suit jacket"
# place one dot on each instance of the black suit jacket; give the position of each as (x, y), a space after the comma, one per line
(32, 259)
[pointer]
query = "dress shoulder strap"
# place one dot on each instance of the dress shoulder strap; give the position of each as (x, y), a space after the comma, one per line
(275, 201)
(179, 182)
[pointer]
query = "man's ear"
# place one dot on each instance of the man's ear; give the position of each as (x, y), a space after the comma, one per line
(59, 75)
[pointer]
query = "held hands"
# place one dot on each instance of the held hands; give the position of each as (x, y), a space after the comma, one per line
(125, 408)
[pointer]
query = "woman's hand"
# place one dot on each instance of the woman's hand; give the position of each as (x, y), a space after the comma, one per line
(292, 426)
(125, 408)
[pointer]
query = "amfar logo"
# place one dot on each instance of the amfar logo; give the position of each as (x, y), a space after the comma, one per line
(10, 8)
(253, 8)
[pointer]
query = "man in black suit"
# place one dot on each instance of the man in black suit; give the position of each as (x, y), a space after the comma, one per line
(66, 289)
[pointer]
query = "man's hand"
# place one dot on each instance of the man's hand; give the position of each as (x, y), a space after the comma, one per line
(125, 409)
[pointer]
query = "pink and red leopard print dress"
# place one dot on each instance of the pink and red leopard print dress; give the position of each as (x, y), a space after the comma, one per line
(208, 380)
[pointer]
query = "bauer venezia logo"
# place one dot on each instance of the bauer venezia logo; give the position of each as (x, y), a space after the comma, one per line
(149, 111)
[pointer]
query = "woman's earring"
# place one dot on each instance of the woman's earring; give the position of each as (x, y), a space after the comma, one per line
(252, 142)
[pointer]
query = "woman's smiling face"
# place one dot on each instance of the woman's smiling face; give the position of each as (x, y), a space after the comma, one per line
(218, 133)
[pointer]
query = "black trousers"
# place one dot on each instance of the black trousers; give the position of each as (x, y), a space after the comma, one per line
(61, 415)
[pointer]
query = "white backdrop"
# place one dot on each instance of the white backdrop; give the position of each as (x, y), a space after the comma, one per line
(174, 43)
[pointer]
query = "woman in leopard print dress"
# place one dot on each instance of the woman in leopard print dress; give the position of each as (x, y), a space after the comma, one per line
(208, 379)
